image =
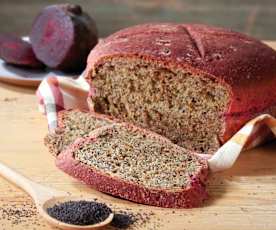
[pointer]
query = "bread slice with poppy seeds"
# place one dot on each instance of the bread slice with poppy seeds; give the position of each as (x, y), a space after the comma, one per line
(71, 125)
(138, 165)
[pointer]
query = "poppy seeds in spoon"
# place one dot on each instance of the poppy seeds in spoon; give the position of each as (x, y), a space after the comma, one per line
(80, 212)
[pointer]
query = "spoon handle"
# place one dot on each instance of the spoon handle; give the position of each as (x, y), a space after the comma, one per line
(21, 181)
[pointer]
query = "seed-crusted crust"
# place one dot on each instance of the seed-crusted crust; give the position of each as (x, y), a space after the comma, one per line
(191, 196)
(59, 131)
(243, 64)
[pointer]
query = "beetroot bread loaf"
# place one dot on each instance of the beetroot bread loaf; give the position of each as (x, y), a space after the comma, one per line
(137, 165)
(71, 125)
(195, 84)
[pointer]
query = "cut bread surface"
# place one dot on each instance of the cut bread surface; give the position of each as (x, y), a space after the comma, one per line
(136, 157)
(184, 107)
(138, 166)
(73, 124)
(210, 80)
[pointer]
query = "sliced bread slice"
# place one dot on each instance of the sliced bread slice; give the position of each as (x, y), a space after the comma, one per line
(71, 125)
(137, 165)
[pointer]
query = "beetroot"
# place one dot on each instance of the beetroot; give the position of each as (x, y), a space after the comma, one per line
(16, 51)
(62, 37)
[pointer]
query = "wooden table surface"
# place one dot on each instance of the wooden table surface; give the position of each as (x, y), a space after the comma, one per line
(243, 197)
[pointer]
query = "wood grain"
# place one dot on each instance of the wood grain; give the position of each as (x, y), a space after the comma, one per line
(243, 197)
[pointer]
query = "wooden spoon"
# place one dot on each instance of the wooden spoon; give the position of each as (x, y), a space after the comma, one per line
(45, 197)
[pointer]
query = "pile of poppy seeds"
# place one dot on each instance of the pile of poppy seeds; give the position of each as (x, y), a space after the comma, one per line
(122, 220)
(87, 213)
(80, 212)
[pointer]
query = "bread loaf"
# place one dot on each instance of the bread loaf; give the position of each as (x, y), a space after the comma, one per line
(137, 165)
(195, 84)
(73, 124)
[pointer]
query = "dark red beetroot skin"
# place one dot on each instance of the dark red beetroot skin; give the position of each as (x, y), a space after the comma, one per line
(14, 50)
(62, 36)
(191, 196)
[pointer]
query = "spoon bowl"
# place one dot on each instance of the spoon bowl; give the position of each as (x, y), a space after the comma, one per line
(54, 222)
(45, 198)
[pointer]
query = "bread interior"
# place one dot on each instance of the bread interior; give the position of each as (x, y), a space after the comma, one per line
(134, 156)
(75, 124)
(185, 107)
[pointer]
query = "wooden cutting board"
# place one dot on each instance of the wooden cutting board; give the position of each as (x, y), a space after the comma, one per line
(243, 197)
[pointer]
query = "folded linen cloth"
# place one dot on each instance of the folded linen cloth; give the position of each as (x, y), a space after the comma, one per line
(58, 93)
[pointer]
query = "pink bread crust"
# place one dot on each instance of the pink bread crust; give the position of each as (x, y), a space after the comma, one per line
(243, 64)
(191, 196)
